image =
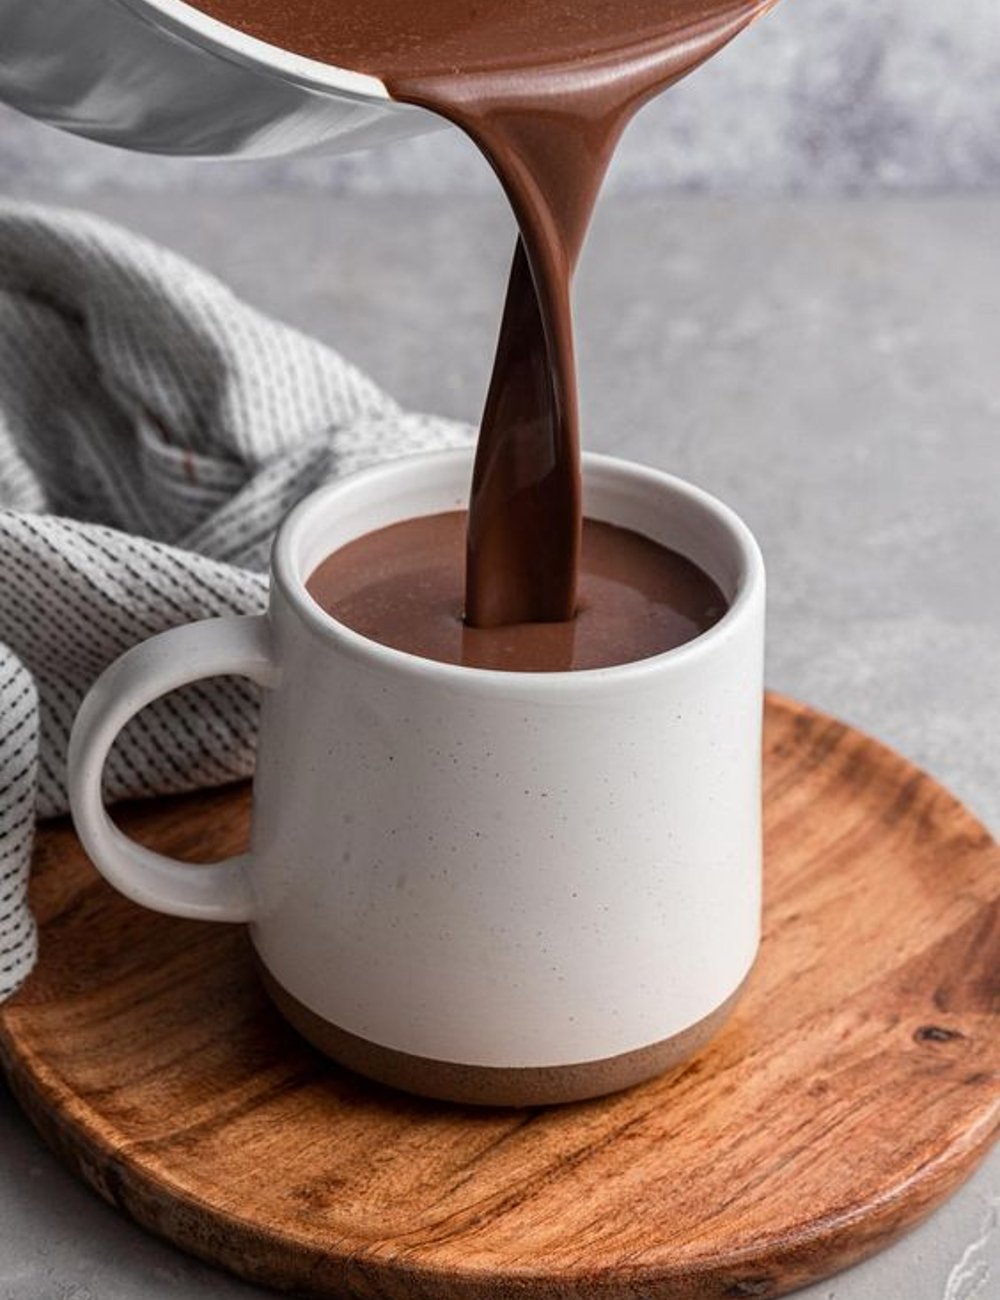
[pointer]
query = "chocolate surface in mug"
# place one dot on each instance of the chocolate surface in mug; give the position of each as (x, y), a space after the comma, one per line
(402, 585)
(545, 90)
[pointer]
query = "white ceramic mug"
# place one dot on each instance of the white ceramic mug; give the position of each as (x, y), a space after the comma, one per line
(486, 886)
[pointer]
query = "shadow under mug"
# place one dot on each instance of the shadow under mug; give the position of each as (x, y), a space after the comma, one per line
(490, 887)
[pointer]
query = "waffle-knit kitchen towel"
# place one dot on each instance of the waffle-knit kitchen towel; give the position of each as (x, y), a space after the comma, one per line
(153, 431)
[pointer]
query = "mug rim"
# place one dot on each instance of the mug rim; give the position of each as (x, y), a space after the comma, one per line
(285, 577)
(183, 19)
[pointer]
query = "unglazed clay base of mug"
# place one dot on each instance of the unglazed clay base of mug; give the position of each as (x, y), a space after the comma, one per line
(478, 1085)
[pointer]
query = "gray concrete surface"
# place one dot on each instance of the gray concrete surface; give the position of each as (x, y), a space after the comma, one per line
(822, 95)
(830, 368)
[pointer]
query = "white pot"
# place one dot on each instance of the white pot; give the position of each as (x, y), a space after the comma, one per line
(162, 77)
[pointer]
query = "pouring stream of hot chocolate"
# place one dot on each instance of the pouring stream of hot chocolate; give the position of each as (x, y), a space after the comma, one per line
(545, 91)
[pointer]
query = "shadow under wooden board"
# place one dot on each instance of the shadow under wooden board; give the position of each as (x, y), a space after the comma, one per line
(854, 1088)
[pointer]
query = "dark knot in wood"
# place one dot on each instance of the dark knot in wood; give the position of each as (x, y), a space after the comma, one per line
(936, 1034)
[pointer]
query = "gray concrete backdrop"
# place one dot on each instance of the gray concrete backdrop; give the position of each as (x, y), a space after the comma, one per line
(825, 96)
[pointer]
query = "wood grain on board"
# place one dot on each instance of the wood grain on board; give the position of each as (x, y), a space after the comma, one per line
(854, 1088)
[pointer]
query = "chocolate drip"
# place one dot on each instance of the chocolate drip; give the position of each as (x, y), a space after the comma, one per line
(545, 91)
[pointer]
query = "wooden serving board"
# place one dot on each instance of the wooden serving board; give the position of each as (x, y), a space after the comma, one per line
(855, 1087)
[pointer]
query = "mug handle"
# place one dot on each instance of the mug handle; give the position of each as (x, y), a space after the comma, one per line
(213, 647)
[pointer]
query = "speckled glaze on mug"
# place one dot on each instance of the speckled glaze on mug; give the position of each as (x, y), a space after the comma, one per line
(504, 888)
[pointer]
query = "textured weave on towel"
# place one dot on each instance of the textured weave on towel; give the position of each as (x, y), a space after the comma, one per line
(153, 431)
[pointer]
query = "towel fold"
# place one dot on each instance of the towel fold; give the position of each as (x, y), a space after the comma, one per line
(153, 432)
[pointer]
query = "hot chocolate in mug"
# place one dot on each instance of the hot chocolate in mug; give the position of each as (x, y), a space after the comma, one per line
(495, 887)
